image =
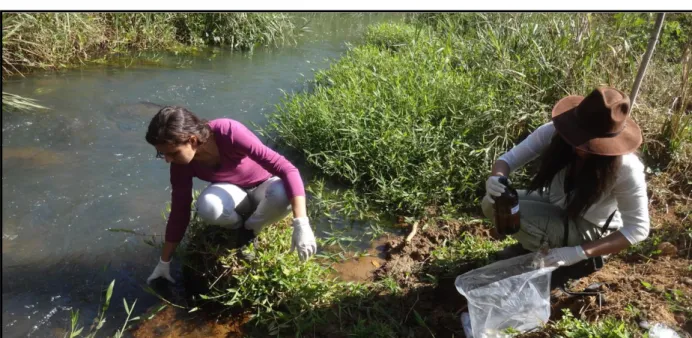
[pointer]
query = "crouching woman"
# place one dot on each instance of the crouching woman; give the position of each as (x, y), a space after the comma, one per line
(251, 186)
(588, 198)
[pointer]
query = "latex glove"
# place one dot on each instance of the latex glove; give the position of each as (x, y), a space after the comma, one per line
(493, 187)
(565, 256)
(161, 270)
(303, 239)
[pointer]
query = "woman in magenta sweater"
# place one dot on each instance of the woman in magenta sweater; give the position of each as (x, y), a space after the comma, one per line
(251, 185)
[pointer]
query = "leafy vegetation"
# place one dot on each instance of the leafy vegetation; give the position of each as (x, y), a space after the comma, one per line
(414, 118)
(571, 327)
(33, 41)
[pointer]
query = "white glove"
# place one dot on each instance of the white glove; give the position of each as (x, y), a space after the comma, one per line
(161, 270)
(565, 256)
(303, 239)
(493, 187)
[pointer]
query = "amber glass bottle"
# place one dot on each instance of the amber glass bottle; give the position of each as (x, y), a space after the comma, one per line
(507, 210)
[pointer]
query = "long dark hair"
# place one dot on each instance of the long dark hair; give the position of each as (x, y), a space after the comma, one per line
(175, 125)
(596, 175)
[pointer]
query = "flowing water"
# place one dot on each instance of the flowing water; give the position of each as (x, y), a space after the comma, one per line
(71, 173)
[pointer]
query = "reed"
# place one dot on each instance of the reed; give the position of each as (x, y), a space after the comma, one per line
(43, 41)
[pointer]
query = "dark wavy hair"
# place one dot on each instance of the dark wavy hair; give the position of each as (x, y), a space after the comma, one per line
(596, 175)
(175, 125)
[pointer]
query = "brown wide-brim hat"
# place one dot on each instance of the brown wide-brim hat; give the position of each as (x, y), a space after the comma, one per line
(599, 123)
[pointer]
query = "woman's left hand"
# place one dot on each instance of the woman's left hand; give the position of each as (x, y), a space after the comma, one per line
(565, 256)
(303, 239)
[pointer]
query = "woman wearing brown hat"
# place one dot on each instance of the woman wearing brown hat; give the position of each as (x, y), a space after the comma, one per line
(590, 175)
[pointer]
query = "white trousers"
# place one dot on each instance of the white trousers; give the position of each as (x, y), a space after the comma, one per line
(231, 207)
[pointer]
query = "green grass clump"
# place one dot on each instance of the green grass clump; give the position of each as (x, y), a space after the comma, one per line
(280, 292)
(57, 40)
(390, 35)
(447, 258)
(571, 327)
(33, 41)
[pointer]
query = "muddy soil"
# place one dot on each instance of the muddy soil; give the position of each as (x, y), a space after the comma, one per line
(440, 304)
(173, 323)
(363, 267)
(656, 291)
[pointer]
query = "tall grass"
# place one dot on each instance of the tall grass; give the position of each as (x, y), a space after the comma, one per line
(676, 133)
(420, 124)
(235, 30)
(33, 41)
(49, 40)
(677, 128)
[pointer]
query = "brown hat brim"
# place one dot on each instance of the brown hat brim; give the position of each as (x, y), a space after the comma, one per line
(568, 126)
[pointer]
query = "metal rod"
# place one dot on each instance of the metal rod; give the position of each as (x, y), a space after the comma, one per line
(653, 39)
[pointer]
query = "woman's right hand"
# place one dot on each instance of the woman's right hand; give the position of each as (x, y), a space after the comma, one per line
(303, 240)
(494, 188)
(162, 270)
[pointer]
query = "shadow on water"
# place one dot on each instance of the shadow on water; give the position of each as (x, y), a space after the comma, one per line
(32, 156)
(133, 117)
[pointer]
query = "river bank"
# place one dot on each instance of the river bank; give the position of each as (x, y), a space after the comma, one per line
(404, 125)
(51, 41)
(410, 121)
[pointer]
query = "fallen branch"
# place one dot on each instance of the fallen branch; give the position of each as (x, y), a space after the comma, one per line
(220, 276)
(414, 230)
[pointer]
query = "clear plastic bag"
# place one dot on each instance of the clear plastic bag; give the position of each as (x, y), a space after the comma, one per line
(509, 296)
(661, 331)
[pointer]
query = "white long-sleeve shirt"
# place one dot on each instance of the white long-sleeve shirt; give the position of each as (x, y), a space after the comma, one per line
(627, 194)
